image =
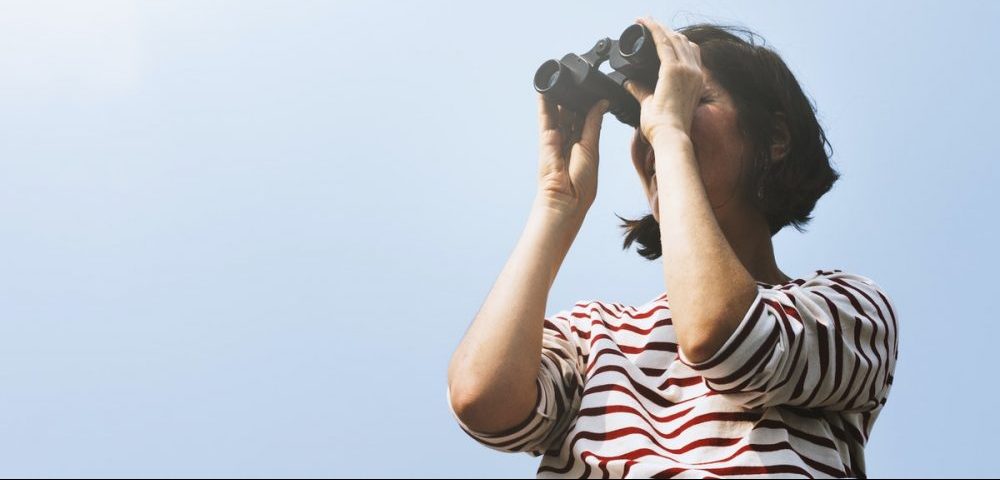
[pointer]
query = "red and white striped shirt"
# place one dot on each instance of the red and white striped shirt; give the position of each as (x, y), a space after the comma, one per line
(794, 391)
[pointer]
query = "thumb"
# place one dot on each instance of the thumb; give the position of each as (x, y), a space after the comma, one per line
(638, 90)
(592, 126)
(584, 155)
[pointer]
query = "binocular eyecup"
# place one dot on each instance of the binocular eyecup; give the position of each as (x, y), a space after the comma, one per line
(576, 81)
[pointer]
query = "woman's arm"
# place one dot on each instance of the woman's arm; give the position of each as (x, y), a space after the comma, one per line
(830, 343)
(710, 289)
(492, 373)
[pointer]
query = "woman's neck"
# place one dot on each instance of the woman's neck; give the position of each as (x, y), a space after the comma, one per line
(750, 238)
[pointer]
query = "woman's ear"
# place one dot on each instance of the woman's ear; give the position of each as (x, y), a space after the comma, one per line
(780, 138)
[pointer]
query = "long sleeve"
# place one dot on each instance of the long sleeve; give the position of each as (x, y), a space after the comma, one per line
(830, 343)
(560, 388)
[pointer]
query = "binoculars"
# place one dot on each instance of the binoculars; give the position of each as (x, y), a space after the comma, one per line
(575, 82)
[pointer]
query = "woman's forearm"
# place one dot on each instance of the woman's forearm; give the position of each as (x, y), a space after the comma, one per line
(709, 288)
(492, 373)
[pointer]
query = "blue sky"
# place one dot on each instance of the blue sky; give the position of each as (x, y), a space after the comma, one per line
(244, 238)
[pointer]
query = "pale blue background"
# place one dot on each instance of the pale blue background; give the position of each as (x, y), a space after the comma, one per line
(243, 239)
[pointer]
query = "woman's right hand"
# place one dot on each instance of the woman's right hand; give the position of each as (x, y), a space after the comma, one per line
(568, 160)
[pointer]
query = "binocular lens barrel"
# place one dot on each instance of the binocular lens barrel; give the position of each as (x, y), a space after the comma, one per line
(547, 76)
(636, 44)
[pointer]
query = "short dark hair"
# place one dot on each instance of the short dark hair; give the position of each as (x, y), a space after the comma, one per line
(762, 87)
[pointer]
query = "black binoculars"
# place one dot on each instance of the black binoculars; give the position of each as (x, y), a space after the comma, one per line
(575, 82)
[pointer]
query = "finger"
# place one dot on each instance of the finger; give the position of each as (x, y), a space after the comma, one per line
(696, 53)
(569, 124)
(638, 90)
(584, 154)
(565, 118)
(592, 124)
(550, 136)
(678, 41)
(664, 47)
(681, 44)
(548, 114)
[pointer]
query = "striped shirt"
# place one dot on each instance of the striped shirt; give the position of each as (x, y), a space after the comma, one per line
(793, 392)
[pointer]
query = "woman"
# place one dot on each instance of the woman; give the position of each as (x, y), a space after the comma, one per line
(744, 371)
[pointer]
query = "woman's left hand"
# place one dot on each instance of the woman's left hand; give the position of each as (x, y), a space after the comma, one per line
(669, 109)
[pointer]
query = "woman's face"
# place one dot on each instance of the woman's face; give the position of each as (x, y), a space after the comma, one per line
(719, 147)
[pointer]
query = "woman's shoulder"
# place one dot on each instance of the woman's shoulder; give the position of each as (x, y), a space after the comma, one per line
(823, 277)
(588, 307)
(852, 286)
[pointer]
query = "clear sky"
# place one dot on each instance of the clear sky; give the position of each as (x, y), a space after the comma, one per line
(244, 238)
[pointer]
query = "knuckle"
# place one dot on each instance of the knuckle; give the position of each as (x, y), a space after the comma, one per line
(551, 137)
(676, 68)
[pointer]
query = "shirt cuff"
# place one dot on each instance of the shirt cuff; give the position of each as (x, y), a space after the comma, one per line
(749, 335)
